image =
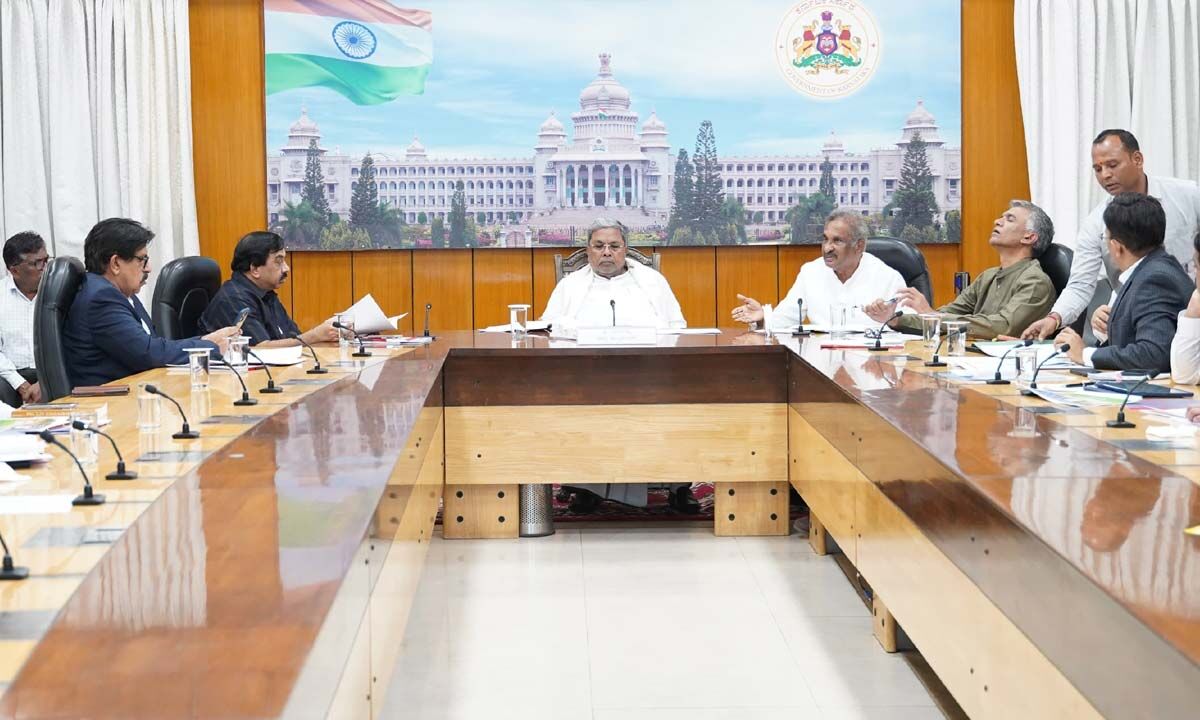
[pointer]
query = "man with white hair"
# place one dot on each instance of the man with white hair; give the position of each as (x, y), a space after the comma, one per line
(1003, 299)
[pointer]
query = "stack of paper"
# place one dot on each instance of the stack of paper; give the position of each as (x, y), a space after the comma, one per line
(19, 447)
(292, 355)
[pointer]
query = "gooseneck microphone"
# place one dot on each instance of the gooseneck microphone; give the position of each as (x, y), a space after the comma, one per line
(88, 497)
(185, 432)
(935, 361)
(612, 303)
(10, 571)
(270, 389)
(800, 331)
(1121, 422)
(362, 348)
(120, 473)
(316, 368)
(241, 402)
(878, 346)
(1059, 350)
(997, 380)
(428, 307)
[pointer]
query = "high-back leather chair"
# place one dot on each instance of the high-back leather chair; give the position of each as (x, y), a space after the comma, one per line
(184, 288)
(906, 259)
(1056, 263)
(578, 259)
(57, 291)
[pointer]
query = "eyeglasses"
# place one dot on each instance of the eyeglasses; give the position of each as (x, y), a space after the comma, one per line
(143, 259)
(38, 263)
(612, 247)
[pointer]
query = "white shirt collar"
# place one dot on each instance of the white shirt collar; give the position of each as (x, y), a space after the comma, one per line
(1124, 276)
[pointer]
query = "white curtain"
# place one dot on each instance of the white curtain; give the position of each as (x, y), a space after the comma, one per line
(1087, 65)
(95, 121)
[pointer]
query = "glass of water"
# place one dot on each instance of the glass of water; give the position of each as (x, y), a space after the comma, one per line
(237, 350)
(1027, 359)
(956, 337)
(198, 366)
(345, 332)
(149, 409)
(931, 326)
(839, 320)
(85, 445)
(518, 319)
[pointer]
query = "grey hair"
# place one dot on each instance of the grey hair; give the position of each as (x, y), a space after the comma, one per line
(602, 223)
(1039, 223)
(858, 224)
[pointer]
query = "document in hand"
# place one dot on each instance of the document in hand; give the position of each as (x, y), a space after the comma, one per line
(369, 317)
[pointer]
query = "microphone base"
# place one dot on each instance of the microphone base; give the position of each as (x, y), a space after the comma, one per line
(1119, 424)
(801, 333)
(244, 401)
(934, 363)
(271, 390)
(317, 371)
(188, 434)
(86, 499)
(994, 381)
(15, 572)
(878, 349)
(121, 475)
(361, 353)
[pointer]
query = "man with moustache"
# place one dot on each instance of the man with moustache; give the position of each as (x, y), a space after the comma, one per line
(1002, 299)
(844, 274)
(1117, 163)
(260, 268)
(25, 257)
(108, 334)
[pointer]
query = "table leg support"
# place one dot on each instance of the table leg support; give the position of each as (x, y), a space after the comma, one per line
(747, 509)
(884, 625)
(818, 537)
(480, 511)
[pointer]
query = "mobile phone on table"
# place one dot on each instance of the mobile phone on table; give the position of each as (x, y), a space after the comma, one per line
(241, 317)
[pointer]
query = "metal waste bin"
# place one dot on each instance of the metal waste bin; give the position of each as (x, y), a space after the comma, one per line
(537, 510)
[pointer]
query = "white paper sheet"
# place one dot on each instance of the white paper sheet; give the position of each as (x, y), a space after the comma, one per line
(35, 504)
(291, 355)
(530, 326)
(370, 318)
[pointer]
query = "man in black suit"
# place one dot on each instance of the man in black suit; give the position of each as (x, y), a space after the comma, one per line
(1154, 288)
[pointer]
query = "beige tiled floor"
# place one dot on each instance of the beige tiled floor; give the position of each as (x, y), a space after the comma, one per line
(649, 624)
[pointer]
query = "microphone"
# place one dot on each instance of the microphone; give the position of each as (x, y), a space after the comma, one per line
(245, 399)
(879, 338)
(1059, 350)
(362, 349)
(120, 473)
(800, 331)
(10, 571)
(1121, 422)
(428, 307)
(612, 303)
(88, 497)
(997, 379)
(270, 389)
(185, 432)
(935, 361)
(316, 368)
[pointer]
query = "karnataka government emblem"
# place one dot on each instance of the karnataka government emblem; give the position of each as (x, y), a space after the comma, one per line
(828, 48)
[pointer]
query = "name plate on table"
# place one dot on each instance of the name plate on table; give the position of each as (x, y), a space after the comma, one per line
(617, 335)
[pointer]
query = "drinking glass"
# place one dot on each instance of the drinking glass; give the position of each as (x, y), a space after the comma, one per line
(149, 409)
(1027, 359)
(931, 326)
(198, 366)
(345, 333)
(237, 350)
(86, 445)
(518, 317)
(839, 320)
(956, 337)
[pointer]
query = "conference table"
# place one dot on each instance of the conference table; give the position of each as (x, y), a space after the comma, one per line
(267, 568)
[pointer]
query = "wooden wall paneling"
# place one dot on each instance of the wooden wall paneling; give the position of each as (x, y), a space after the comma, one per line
(751, 271)
(444, 279)
(995, 169)
(387, 276)
(228, 123)
(323, 284)
(943, 262)
(791, 257)
(502, 278)
(543, 275)
(692, 273)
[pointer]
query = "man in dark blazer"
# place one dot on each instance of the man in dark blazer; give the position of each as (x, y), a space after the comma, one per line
(1153, 289)
(108, 334)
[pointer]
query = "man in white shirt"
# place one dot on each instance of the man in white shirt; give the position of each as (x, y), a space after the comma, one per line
(25, 257)
(611, 290)
(1117, 164)
(1185, 346)
(845, 274)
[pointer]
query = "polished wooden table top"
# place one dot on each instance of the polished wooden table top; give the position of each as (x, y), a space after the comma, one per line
(230, 552)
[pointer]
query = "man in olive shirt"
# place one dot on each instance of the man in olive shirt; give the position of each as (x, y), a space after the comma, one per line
(1003, 300)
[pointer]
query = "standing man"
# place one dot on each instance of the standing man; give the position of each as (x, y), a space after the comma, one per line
(844, 274)
(1117, 164)
(25, 257)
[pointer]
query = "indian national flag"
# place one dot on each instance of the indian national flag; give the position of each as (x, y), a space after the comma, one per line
(370, 51)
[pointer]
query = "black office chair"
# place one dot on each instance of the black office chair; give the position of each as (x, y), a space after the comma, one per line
(184, 289)
(57, 291)
(906, 259)
(1056, 263)
(578, 259)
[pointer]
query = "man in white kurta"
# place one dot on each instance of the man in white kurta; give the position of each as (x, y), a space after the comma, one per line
(613, 290)
(1117, 164)
(845, 274)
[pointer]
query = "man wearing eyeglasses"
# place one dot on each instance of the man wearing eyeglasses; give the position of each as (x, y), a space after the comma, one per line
(25, 257)
(108, 334)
